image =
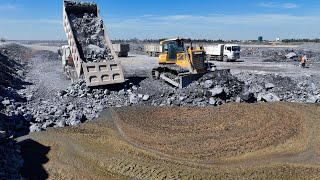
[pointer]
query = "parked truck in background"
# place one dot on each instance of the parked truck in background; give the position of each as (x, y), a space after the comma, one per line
(121, 49)
(153, 50)
(223, 52)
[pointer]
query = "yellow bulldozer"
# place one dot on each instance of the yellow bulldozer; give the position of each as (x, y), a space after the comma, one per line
(179, 64)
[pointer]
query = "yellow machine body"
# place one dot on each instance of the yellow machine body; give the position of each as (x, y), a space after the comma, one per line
(174, 52)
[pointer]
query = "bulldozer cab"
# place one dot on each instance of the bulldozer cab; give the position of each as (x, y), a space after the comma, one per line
(172, 47)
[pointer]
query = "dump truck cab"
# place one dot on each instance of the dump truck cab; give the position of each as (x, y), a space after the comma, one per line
(232, 51)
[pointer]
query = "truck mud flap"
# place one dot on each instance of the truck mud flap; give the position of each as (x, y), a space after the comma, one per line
(103, 73)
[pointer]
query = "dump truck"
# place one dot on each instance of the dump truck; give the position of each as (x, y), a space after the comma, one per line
(153, 50)
(121, 49)
(223, 52)
(180, 65)
(89, 53)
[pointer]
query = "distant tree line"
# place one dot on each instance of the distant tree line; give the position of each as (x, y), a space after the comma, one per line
(301, 40)
(135, 40)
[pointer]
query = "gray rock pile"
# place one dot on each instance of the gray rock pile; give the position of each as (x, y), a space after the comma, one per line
(212, 89)
(11, 161)
(12, 68)
(12, 64)
(89, 32)
(79, 103)
(281, 54)
(271, 88)
(72, 106)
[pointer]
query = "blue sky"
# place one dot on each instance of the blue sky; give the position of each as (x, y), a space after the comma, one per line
(211, 19)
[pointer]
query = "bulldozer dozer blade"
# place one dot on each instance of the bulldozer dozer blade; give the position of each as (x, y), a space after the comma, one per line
(188, 79)
(184, 80)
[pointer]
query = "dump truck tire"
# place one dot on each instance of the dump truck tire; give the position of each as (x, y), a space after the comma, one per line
(225, 59)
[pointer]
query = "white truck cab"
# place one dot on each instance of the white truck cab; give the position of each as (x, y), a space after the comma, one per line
(232, 51)
(223, 52)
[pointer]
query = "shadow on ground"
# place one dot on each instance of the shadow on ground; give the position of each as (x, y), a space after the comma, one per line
(8, 73)
(135, 80)
(35, 156)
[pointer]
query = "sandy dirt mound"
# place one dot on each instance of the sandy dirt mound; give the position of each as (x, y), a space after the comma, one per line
(209, 133)
(234, 141)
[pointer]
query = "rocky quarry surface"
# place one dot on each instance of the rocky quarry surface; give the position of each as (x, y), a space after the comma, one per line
(34, 95)
(273, 88)
(281, 55)
(89, 33)
(12, 69)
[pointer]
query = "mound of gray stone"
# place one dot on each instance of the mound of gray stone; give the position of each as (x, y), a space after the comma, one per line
(271, 87)
(89, 33)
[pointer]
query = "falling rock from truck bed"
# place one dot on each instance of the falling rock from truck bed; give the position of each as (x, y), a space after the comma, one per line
(89, 32)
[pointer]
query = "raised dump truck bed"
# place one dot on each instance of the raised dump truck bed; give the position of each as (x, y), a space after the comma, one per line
(91, 49)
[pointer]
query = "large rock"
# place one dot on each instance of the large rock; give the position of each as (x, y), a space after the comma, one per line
(106, 92)
(212, 101)
(270, 97)
(61, 123)
(269, 86)
(248, 97)
(133, 99)
(75, 118)
(208, 84)
(146, 97)
(3, 135)
(27, 117)
(6, 102)
(291, 55)
(314, 99)
(35, 128)
(217, 91)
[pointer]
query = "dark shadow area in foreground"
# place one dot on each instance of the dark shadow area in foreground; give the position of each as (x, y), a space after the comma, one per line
(130, 81)
(35, 156)
(8, 73)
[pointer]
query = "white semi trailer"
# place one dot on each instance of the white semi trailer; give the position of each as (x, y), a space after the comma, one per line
(153, 49)
(223, 52)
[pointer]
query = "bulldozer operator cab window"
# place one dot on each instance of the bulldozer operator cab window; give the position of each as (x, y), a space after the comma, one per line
(165, 47)
(172, 50)
(180, 46)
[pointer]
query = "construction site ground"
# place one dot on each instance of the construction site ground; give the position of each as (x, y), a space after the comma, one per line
(231, 141)
(246, 64)
(234, 141)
